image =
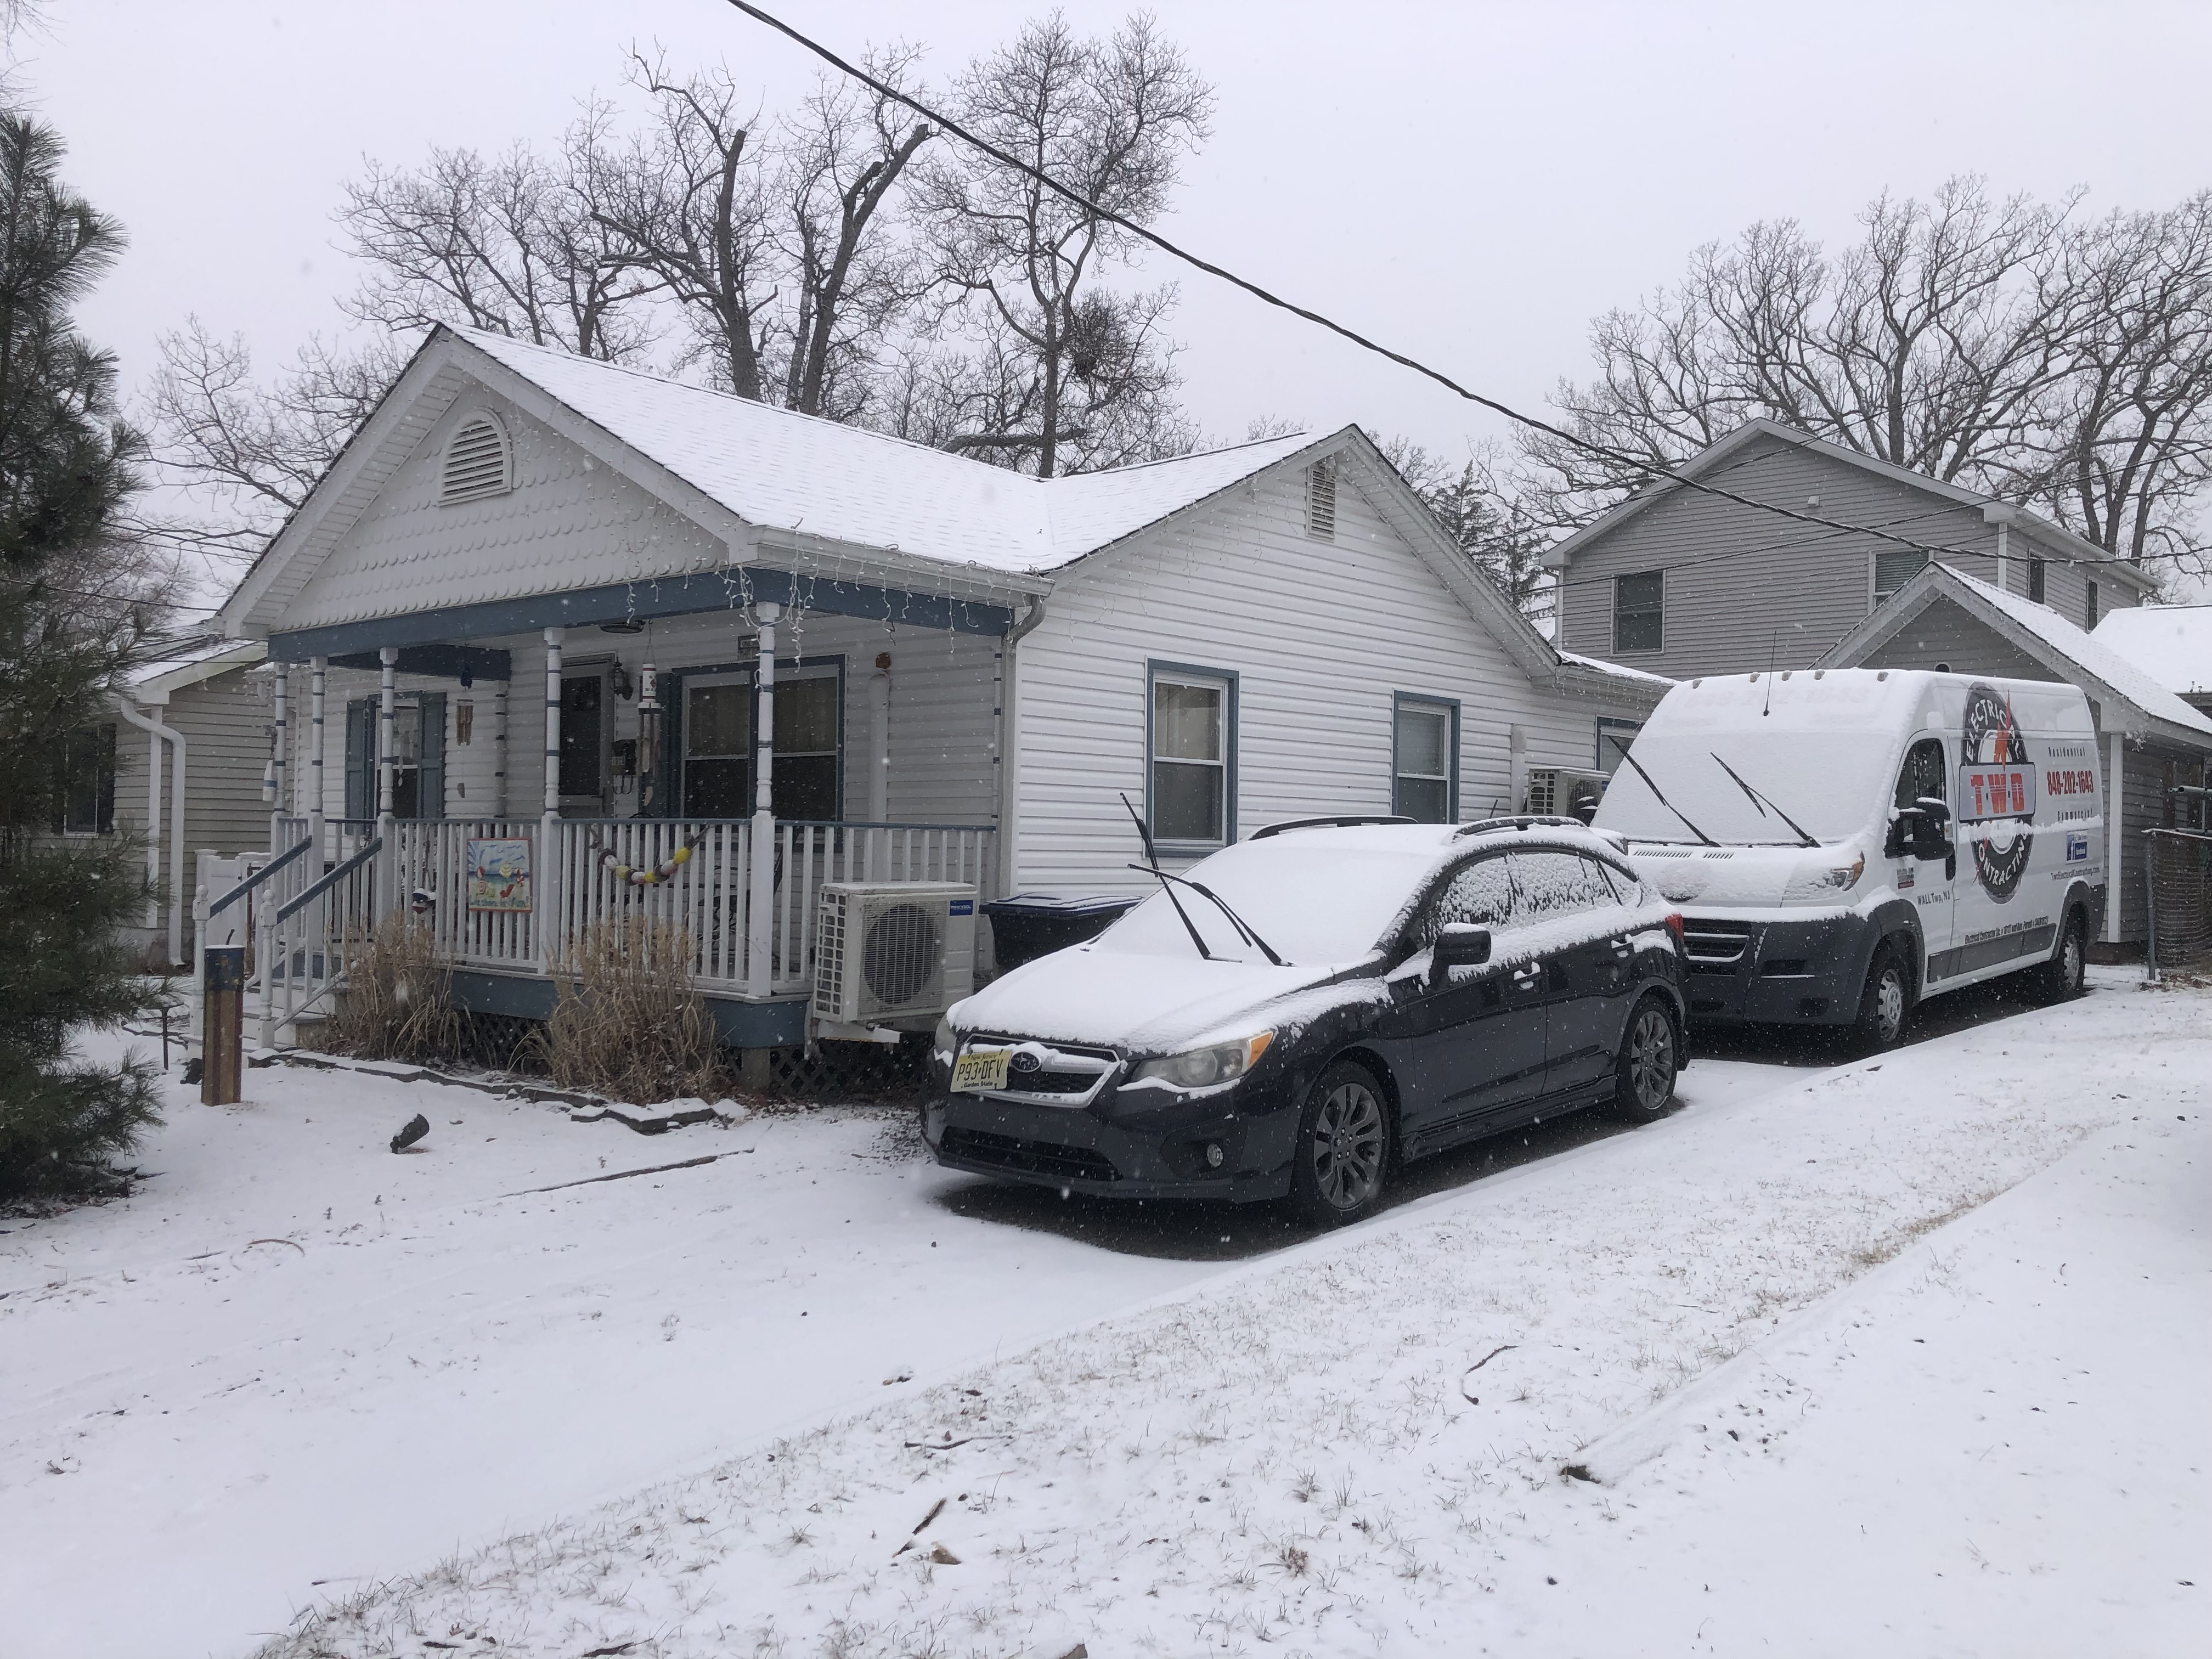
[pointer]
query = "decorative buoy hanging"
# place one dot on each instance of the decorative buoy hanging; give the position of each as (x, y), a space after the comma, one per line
(643, 875)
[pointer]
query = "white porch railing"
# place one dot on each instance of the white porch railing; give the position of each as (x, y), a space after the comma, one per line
(708, 894)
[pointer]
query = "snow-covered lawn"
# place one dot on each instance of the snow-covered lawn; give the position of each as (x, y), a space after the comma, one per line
(1155, 1445)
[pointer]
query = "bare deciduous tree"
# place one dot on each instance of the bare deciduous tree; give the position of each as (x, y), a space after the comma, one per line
(511, 245)
(2004, 345)
(245, 454)
(1069, 375)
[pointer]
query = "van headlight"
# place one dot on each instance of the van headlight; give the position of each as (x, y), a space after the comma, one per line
(1817, 879)
(1201, 1069)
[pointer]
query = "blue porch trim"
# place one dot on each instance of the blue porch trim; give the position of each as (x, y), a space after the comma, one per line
(443, 662)
(739, 1024)
(667, 596)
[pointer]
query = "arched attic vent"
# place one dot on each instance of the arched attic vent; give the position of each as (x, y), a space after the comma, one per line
(478, 461)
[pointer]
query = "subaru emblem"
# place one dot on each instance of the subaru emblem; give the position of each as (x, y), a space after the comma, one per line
(1025, 1061)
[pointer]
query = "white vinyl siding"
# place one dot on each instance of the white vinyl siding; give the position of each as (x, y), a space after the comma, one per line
(1318, 634)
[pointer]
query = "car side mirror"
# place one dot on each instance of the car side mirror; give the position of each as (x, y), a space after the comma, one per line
(1459, 944)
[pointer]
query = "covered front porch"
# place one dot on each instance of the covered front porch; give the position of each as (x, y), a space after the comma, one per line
(704, 753)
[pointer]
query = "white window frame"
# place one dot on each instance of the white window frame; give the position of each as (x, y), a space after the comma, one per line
(1447, 709)
(1224, 681)
(1619, 650)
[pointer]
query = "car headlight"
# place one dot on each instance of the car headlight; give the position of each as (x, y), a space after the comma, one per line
(1814, 881)
(1201, 1069)
(944, 1040)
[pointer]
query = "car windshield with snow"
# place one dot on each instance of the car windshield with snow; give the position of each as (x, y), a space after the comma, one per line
(1300, 1011)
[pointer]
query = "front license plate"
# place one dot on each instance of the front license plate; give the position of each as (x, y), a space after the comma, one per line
(980, 1069)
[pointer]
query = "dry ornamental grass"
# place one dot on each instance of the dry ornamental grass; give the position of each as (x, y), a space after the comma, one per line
(628, 1021)
(397, 1002)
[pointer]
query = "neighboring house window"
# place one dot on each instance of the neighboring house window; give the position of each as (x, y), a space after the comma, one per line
(2090, 608)
(1192, 797)
(88, 766)
(2035, 579)
(1425, 759)
(1321, 501)
(1639, 607)
(477, 461)
(1894, 567)
(721, 716)
(1614, 737)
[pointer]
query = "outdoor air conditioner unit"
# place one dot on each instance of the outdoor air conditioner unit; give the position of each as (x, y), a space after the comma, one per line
(893, 949)
(1558, 792)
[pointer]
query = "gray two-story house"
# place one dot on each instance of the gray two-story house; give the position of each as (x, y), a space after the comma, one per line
(1682, 582)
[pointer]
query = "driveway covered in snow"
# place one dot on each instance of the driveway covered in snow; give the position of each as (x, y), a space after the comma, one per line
(297, 1365)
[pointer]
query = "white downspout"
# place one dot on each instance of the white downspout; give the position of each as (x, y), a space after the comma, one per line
(2115, 842)
(175, 739)
(1009, 752)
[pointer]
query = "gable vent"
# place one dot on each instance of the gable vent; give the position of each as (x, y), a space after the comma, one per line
(476, 462)
(1321, 501)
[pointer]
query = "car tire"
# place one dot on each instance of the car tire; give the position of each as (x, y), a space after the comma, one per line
(1651, 1059)
(1342, 1163)
(1885, 1004)
(2063, 977)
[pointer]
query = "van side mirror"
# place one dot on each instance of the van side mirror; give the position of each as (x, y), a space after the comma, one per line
(1936, 812)
(1459, 944)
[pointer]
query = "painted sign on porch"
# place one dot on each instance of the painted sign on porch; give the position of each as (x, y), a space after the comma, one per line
(498, 874)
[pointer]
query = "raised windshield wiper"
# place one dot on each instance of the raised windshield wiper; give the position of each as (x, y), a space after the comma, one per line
(1763, 802)
(1664, 802)
(1250, 934)
(1153, 864)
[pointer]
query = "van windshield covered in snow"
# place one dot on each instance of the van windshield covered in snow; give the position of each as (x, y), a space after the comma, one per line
(1316, 896)
(1827, 780)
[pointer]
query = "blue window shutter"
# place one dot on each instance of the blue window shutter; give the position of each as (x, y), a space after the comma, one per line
(360, 765)
(430, 780)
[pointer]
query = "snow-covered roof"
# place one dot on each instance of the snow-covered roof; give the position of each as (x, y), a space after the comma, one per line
(779, 470)
(1602, 667)
(2069, 651)
(2171, 643)
(193, 664)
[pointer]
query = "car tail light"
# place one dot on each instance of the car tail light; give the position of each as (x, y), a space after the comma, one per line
(1675, 925)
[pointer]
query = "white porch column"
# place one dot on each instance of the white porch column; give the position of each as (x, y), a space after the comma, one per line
(879, 746)
(2115, 800)
(547, 882)
(280, 799)
(311, 809)
(759, 935)
(387, 897)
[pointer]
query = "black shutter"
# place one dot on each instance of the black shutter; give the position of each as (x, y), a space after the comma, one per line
(430, 780)
(361, 759)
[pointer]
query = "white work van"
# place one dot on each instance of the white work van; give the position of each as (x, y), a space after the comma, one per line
(1844, 842)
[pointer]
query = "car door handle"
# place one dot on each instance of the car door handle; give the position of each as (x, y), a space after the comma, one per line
(1525, 978)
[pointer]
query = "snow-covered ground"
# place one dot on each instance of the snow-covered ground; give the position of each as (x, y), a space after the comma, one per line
(1955, 1305)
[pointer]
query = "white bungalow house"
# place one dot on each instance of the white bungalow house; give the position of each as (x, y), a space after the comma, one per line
(544, 600)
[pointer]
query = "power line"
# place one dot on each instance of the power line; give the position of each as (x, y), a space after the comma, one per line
(1604, 451)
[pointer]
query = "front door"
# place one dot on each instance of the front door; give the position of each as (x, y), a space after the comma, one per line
(585, 730)
(1472, 1048)
(1588, 964)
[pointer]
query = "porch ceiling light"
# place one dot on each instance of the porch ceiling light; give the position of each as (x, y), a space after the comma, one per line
(628, 625)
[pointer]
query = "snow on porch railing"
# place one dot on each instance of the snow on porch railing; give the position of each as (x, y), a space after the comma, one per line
(708, 893)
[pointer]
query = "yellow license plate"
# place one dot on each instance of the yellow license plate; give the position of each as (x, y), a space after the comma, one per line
(980, 1069)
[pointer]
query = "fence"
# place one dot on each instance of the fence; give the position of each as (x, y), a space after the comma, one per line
(2178, 874)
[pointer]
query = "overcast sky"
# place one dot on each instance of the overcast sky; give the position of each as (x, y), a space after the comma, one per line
(1470, 182)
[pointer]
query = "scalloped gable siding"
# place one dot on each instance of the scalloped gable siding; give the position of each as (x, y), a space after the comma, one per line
(1796, 598)
(1322, 633)
(570, 522)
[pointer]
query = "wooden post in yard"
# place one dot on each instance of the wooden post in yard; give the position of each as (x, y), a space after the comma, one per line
(222, 1052)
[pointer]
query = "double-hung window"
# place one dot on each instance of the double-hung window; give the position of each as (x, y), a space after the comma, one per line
(1639, 611)
(1893, 566)
(1192, 795)
(720, 731)
(1424, 752)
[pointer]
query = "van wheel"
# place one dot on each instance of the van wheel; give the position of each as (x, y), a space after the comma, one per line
(1883, 1004)
(2061, 979)
(1343, 1156)
(1644, 1071)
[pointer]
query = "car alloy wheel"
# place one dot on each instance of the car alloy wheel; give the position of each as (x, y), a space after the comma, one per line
(1346, 1146)
(1652, 1058)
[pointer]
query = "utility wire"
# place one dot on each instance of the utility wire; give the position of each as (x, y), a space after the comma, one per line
(1603, 452)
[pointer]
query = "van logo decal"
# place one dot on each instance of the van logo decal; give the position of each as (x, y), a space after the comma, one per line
(1996, 791)
(2077, 847)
